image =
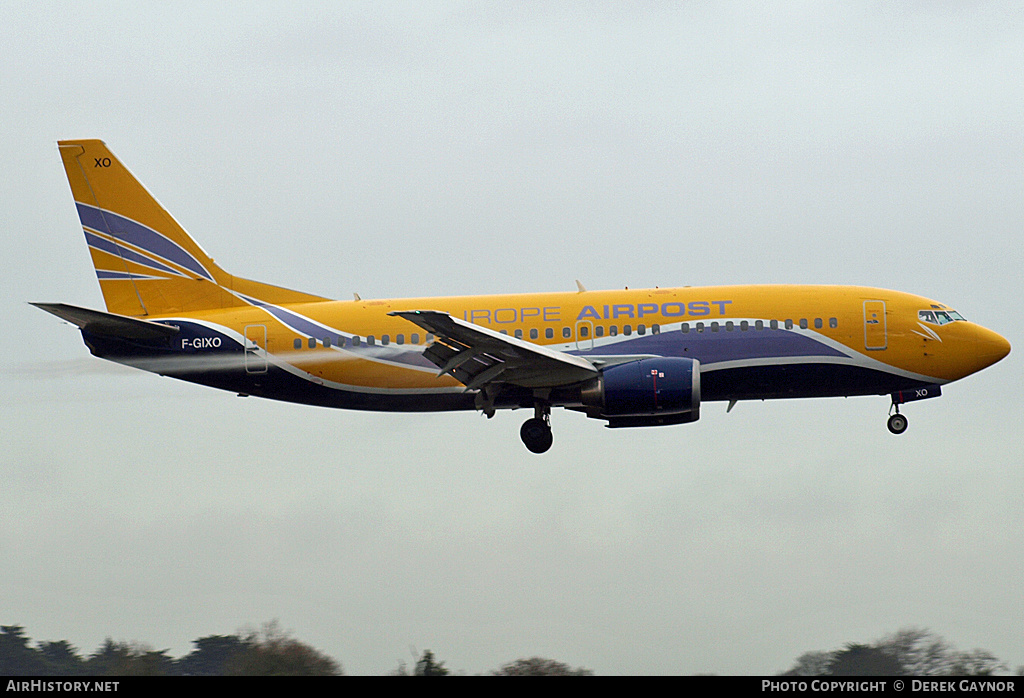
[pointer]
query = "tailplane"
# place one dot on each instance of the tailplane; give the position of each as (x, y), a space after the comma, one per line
(145, 261)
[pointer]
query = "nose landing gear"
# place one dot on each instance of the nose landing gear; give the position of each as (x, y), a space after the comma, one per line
(897, 422)
(536, 432)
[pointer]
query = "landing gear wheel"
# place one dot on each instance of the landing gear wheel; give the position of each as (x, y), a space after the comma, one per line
(897, 423)
(536, 434)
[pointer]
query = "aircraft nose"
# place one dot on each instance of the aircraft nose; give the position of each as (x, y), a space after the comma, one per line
(991, 347)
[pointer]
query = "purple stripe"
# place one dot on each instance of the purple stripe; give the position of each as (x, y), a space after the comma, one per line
(103, 274)
(714, 347)
(296, 322)
(129, 231)
(308, 328)
(126, 254)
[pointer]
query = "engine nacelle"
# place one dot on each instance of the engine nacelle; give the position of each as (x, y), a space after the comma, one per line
(647, 392)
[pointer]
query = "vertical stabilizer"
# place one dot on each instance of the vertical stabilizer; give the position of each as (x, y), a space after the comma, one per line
(145, 261)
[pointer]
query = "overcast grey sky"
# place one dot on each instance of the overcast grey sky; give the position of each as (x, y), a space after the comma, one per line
(414, 149)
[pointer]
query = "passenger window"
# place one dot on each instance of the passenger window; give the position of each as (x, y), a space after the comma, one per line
(714, 326)
(370, 340)
(400, 339)
(430, 338)
(341, 341)
(385, 340)
(327, 342)
(655, 329)
(533, 334)
(356, 341)
(729, 326)
(613, 330)
(774, 324)
(685, 327)
(312, 343)
(700, 326)
(298, 344)
(833, 322)
(817, 323)
(415, 338)
(549, 333)
(627, 330)
(584, 331)
(803, 323)
(566, 333)
(789, 324)
(519, 334)
(759, 324)
(744, 325)
(641, 329)
(599, 331)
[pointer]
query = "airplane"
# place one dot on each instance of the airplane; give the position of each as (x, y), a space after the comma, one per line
(633, 358)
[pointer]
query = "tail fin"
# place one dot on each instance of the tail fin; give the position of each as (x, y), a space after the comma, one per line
(145, 261)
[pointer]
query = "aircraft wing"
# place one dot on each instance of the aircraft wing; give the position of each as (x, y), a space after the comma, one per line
(109, 324)
(476, 356)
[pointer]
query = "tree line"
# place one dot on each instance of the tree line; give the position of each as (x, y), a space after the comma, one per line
(272, 652)
(267, 652)
(907, 652)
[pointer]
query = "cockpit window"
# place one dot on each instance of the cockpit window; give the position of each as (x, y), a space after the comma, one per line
(939, 317)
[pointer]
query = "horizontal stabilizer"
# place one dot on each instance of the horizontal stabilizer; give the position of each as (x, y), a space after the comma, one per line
(108, 324)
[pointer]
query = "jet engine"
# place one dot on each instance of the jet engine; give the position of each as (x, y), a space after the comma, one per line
(647, 392)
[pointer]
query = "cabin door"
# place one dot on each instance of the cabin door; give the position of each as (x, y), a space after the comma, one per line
(255, 348)
(585, 335)
(875, 336)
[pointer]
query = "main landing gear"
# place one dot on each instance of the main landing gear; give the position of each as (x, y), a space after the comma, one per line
(536, 432)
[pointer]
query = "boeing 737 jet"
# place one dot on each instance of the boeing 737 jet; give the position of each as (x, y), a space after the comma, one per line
(632, 358)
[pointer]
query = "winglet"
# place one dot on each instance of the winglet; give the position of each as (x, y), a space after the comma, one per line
(580, 286)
